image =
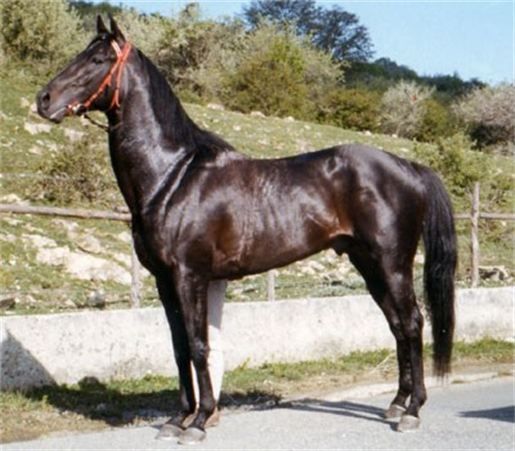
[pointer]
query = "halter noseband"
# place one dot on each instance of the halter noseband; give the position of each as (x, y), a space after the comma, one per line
(77, 107)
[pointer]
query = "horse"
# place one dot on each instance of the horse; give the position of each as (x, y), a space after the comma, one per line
(202, 212)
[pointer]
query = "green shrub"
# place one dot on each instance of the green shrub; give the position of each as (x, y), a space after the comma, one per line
(196, 54)
(460, 167)
(437, 122)
(76, 174)
(356, 109)
(45, 31)
(270, 78)
(279, 73)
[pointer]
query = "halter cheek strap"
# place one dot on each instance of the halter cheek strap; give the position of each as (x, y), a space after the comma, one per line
(77, 107)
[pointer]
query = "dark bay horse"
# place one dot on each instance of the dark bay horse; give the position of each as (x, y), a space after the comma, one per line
(203, 212)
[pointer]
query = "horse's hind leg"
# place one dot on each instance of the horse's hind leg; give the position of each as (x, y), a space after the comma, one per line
(175, 426)
(392, 289)
(411, 322)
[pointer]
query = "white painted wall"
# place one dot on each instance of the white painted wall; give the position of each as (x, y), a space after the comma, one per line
(64, 348)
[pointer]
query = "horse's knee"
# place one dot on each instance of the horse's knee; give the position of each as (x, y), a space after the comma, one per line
(199, 353)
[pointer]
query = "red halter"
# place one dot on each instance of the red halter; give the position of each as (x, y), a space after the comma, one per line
(121, 59)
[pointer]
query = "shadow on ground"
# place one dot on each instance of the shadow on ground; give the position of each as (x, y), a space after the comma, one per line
(344, 408)
(500, 414)
(96, 401)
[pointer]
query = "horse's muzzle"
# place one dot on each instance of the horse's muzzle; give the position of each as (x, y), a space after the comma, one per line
(45, 107)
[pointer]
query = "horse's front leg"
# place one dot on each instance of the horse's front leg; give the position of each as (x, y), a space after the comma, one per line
(192, 291)
(175, 426)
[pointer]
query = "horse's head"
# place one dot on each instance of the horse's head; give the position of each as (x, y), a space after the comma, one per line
(91, 81)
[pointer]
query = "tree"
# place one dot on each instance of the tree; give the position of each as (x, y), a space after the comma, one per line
(489, 114)
(46, 31)
(333, 30)
(403, 108)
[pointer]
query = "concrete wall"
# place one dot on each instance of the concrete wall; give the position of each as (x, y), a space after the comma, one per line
(64, 348)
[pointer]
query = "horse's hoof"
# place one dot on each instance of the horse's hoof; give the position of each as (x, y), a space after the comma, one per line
(394, 411)
(169, 431)
(192, 436)
(408, 423)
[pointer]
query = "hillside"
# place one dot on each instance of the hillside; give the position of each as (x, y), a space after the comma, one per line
(53, 264)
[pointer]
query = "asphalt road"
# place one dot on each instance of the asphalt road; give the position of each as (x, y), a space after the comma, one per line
(468, 416)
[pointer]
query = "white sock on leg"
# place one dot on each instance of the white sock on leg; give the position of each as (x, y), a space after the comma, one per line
(215, 299)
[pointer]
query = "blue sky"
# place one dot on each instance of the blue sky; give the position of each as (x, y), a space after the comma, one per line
(472, 38)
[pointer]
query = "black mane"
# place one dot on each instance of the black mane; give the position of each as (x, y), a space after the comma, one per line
(177, 126)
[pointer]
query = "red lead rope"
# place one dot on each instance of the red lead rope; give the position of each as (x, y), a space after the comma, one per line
(119, 64)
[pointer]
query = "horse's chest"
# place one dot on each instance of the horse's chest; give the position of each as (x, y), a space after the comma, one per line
(151, 248)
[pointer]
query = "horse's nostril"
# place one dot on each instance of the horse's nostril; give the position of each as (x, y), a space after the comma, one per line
(44, 99)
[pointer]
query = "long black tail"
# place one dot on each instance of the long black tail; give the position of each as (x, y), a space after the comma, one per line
(439, 270)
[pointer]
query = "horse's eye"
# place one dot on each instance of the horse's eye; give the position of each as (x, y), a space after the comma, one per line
(98, 59)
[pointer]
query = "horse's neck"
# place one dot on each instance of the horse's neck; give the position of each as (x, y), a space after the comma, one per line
(143, 157)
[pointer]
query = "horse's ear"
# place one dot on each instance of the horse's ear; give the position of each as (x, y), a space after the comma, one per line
(101, 28)
(116, 32)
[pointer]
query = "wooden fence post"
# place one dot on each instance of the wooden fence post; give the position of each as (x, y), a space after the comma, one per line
(135, 278)
(474, 237)
(270, 285)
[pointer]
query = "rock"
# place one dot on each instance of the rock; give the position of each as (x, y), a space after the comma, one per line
(24, 102)
(7, 237)
(87, 267)
(494, 273)
(125, 236)
(40, 241)
(289, 119)
(34, 128)
(71, 227)
(69, 303)
(11, 221)
(236, 128)
(7, 302)
(257, 114)
(10, 199)
(73, 135)
(124, 259)
(89, 243)
(97, 299)
(215, 106)
(53, 256)
(36, 150)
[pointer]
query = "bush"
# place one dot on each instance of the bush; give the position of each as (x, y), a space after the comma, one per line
(79, 173)
(403, 108)
(460, 167)
(195, 54)
(144, 30)
(46, 31)
(279, 74)
(352, 108)
(437, 122)
(270, 78)
(489, 114)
